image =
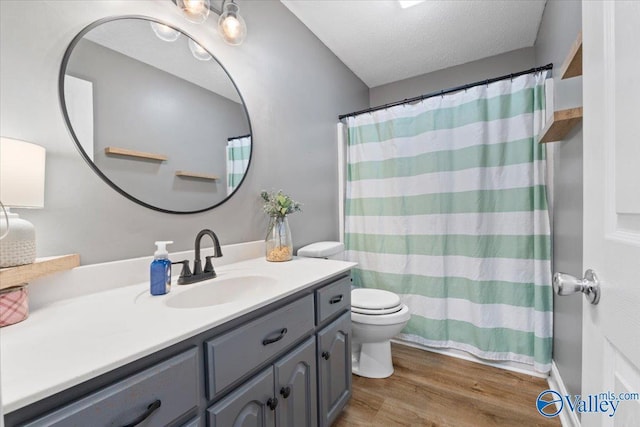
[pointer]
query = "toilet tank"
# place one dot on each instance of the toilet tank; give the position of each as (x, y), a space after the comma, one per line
(326, 250)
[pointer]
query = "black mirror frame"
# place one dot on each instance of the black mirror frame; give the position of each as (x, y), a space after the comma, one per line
(63, 107)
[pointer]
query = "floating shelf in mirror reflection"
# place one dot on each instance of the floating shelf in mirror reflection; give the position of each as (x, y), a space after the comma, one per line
(186, 174)
(117, 151)
(122, 86)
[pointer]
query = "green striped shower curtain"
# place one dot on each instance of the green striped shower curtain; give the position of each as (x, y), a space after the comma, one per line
(238, 153)
(446, 206)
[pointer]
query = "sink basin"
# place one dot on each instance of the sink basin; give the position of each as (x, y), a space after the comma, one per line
(220, 291)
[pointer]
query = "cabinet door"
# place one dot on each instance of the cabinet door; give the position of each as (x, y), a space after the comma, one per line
(248, 406)
(334, 368)
(296, 387)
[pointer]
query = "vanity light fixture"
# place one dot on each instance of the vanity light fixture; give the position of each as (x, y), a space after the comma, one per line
(21, 186)
(164, 32)
(231, 25)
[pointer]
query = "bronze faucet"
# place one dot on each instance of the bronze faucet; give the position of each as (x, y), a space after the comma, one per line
(198, 275)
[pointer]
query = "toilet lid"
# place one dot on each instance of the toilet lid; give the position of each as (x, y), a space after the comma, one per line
(374, 301)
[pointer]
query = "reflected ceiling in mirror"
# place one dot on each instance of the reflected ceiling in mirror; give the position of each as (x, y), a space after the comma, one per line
(155, 114)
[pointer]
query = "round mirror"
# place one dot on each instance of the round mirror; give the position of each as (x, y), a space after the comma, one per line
(155, 114)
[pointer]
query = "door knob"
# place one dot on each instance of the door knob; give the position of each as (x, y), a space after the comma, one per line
(566, 284)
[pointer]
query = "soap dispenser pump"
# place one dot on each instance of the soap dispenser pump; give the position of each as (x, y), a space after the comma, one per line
(160, 271)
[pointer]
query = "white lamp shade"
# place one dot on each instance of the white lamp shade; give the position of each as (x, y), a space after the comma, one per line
(21, 173)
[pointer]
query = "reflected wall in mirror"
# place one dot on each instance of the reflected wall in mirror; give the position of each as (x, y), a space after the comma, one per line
(155, 114)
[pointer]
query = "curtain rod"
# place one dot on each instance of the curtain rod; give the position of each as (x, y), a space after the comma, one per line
(238, 137)
(446, 91)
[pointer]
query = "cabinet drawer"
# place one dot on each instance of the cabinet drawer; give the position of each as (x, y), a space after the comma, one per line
(234, 354)
(173, 382)
(333, 298)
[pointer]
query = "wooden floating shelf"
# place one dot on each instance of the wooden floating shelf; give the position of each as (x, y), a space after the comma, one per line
(572, 66)
(133, 153)
(13, 276)
(560, 125)
(186, 174)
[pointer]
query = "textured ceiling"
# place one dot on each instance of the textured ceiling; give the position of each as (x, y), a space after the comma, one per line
(382, 43)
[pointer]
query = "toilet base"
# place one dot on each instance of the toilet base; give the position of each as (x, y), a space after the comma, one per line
(372, 360)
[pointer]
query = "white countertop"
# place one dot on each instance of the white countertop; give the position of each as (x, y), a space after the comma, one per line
(71, 340)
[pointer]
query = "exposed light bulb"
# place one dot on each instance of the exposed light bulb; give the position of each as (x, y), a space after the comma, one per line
(231, 25)
(194, 6)
(165, 32)
(198, 51)
(195, 11)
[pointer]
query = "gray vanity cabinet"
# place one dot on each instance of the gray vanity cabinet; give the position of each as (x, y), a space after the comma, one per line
(334, 368)
(286, 365)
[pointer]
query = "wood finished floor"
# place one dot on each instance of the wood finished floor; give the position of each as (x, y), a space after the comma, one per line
(430, 389)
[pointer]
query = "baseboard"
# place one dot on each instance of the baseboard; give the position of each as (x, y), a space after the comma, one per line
(521, 368)
(567, 418)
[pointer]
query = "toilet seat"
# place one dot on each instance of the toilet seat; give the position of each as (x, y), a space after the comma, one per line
(374, 302)
(401, 316)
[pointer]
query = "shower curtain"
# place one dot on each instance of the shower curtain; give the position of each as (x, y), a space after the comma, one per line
(446, 206)
(238, 152)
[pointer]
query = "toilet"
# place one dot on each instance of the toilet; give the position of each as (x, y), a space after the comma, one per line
(376, 317)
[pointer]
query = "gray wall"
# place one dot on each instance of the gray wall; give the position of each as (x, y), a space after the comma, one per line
(493, 66)
(139, 107)
(561, 23)
(294, 88)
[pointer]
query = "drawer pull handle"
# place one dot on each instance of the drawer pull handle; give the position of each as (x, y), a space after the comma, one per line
(326, 355)
(281, 335)
(335, 299)
(285, 391)
(150, 410)
(272, 403)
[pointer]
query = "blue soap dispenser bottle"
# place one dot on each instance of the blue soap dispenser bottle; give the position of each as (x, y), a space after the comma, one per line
(160, 271)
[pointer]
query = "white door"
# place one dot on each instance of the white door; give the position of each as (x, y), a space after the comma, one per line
(611, 124)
